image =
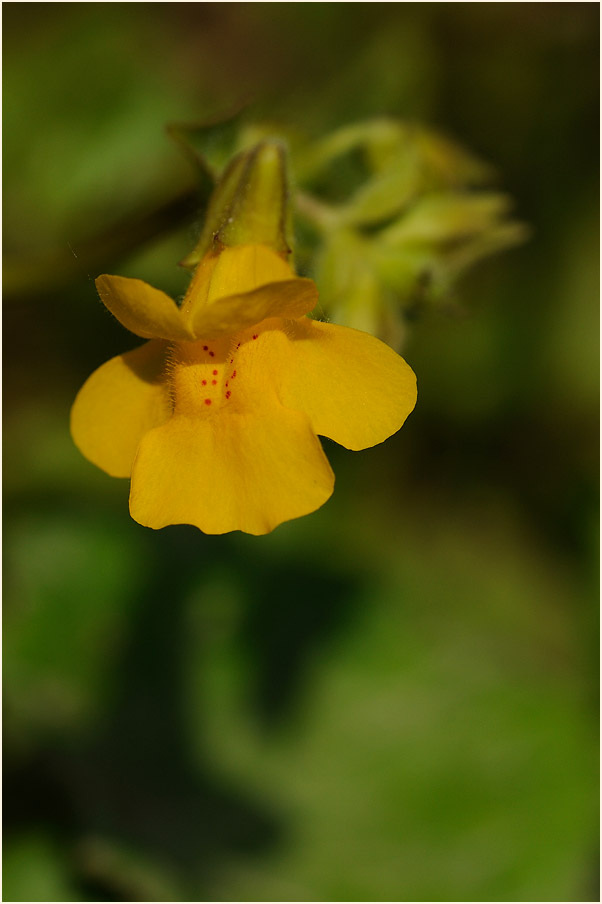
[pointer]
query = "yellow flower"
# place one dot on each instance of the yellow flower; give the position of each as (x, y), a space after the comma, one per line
(216, 419)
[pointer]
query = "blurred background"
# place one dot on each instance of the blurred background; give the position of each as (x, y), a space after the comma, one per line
(394, 698)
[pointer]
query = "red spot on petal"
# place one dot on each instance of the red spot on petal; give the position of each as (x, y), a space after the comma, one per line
(203, 382)
(255, 336)
(214, 382)
(233, 374)
(212, 354)
(231, 360)
(228, 394)
(215, 373)
(205, 347)
(207, 401)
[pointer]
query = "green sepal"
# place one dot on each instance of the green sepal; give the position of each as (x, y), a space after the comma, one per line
(249, 204)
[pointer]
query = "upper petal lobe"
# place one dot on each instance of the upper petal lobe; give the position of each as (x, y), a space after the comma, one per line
(141, 309)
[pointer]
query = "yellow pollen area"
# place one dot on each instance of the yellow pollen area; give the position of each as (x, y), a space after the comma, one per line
(204, 375)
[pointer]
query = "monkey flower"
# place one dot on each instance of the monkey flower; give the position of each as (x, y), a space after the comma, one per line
(216, 418)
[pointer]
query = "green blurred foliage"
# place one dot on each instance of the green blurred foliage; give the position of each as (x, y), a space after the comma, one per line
(394, 698)
(399, 212)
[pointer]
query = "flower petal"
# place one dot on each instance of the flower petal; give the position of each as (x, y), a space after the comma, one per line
(242, 286)
(243, 268)
(236, 469)
(354, 388)
(118, 404)
(141, 309)
(233, 313)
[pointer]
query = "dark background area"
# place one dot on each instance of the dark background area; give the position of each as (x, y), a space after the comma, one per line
(394, 698)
